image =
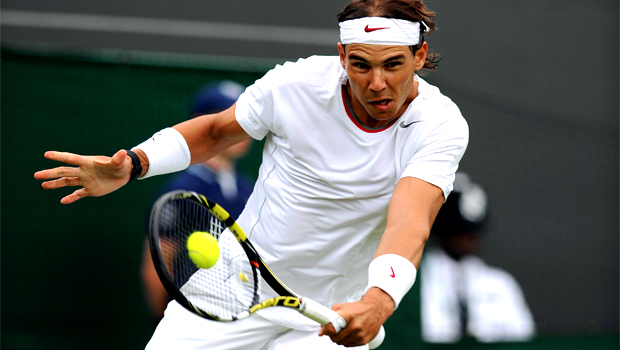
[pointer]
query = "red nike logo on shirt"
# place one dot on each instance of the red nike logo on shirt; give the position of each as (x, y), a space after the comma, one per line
(368, 30)
(393, 273)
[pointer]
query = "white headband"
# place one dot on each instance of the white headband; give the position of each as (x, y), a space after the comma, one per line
(380, 31)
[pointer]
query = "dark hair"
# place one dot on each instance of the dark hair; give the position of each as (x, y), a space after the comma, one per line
(410, 10)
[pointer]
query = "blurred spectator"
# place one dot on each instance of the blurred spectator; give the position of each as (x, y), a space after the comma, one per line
(462, 296)
(216, 178)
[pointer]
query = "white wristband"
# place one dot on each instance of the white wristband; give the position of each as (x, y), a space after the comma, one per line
(167, 152)
(393, 274)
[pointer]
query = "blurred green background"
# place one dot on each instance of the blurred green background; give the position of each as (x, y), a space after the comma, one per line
(71, 273)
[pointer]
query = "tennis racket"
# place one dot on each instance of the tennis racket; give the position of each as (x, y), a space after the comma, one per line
(229, 290)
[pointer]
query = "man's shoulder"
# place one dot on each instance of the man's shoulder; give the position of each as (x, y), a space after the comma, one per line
(315, 75)
(313, 67)
(316, 62)
(431, 94)
(434, 105)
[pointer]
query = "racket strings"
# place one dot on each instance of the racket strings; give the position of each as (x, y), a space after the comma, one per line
(226, 290)
(216, 227)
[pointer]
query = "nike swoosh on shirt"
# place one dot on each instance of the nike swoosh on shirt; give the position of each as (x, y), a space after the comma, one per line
(403, 125)
(368, 30)
(393, 273)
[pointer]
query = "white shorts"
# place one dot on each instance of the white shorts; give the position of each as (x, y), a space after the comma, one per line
(183, 330)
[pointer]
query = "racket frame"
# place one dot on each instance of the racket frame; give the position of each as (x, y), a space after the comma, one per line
(287, 298)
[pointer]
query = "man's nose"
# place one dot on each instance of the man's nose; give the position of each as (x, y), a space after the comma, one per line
(377, 80)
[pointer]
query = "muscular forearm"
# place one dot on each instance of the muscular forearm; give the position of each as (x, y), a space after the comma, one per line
(405, 241)
(191, 142)
(413, 208)
(208, 135)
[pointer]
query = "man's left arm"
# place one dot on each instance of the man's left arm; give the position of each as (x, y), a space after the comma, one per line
(413, 208)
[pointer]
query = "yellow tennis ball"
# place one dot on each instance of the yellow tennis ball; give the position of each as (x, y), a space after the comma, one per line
(203, 249)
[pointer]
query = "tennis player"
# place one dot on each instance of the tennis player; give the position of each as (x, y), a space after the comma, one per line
(360, 153)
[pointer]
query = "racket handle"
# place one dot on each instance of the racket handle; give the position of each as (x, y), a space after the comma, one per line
(322, 314)
(325, 315)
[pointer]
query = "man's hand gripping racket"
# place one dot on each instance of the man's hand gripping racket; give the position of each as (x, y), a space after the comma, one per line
(230, 289)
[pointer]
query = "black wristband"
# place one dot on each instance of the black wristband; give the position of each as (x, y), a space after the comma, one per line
(137, 167)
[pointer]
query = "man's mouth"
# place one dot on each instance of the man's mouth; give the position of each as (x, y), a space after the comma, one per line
(382, 105)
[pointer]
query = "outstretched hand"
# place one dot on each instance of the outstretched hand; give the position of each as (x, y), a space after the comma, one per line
(98, 175)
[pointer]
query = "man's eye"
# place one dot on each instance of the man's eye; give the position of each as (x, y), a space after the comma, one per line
(393, 64)
(360, 65)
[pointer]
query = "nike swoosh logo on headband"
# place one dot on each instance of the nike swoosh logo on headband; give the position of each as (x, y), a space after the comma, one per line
(368, 30)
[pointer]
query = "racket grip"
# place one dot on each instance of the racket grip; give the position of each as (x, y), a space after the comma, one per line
(322, 314)
(325, 315)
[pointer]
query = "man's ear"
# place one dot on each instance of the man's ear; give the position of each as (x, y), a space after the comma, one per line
(420, 56)
(343, 55)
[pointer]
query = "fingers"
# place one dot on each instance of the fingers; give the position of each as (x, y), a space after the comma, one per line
(354, 334)
(42, 175)
(348, 338)
(114, 163)
(65, 181)
(69, 158)
(56, 173)
(118, 158)
(78, 194)
(328, 330)
(64, 157)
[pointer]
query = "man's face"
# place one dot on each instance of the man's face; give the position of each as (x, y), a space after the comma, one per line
(381, 79)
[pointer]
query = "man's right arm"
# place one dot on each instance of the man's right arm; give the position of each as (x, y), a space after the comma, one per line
(205, 136)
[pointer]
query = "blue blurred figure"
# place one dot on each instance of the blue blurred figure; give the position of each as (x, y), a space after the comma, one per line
(216, 178)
